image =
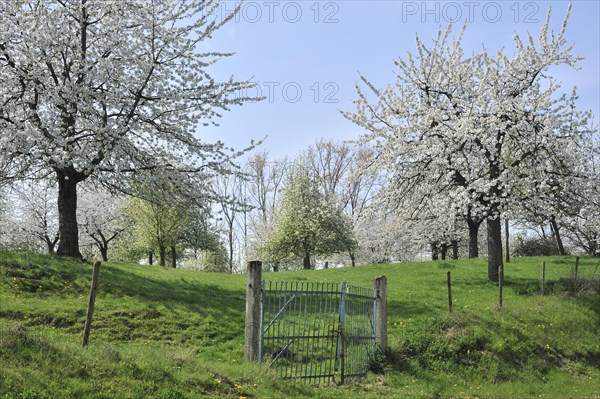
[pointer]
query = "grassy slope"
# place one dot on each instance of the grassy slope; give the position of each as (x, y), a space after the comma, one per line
(163, 333)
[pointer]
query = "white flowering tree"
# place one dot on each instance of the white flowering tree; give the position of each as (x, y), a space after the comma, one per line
(441, 232)
(103, 218)
(345, 177)
(34, 214)
(581, 218)
(478, 128)
(103, 89)
(584, 229)
(308, 223)
(566, 200)
(385, 236)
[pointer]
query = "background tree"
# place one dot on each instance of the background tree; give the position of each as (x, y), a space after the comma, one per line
(200, 233)
(35, 208)
(102, 217)
(581, 221)
(385, 236)
(118, 89)
(330, 163)
(308, 224)
(476, 128)
(232, 201)
(265, 178)
(213, 259)
(343, 175)
(158, 226)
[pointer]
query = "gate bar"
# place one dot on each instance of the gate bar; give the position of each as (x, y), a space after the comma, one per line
(278, 313)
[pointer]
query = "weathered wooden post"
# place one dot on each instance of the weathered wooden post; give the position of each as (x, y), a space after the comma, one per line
(253, 304)
(381, 319)
(500, 284)
(90, 310)
(543, 277)
(449, 283)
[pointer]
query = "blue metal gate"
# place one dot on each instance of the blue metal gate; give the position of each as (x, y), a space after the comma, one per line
(320, 332)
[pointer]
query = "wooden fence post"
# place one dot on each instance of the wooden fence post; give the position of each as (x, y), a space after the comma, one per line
(507, 240)
(381, 319)
(91, 303)
(449, 283)
(500, 284)
(543, 277)
(253, 304)
(576, 267)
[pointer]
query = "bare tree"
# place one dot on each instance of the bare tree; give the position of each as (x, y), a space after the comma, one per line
(345, 175)
(265, 178)
(232, 202)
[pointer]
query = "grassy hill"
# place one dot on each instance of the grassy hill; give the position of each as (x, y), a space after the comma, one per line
(164, 333)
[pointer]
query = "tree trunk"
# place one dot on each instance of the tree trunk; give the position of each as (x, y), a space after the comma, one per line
(51, 243)
(494, 240)
(102, 242)
(67, 214)
(434, 251)
(276, 266)
(559, 243)
(173, 257)
(104, 252)
(50, 247)
(353, 259)
(161, 255)
(230, 237)
(306, 262)
(150, 258)
(443, 250)
(454, 249)
(593, 245)
(473, 238)
(506, 238)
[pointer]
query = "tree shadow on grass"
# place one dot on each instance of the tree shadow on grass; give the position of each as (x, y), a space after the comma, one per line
(174, 309)
(408, 309)
(120, 282)
(132, 303)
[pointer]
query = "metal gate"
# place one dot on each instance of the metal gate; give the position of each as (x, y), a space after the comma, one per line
(320, 332)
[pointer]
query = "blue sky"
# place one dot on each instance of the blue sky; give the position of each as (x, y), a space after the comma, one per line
(306, 57)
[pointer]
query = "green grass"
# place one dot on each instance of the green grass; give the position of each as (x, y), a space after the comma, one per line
(164, 333)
